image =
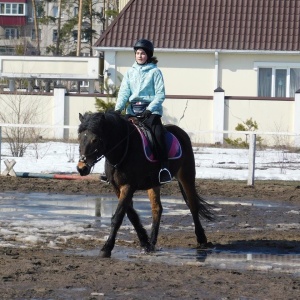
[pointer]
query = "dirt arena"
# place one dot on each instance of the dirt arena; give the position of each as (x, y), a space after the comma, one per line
(45, 273)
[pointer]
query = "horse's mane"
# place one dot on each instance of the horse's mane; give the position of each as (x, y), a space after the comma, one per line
(92, 121)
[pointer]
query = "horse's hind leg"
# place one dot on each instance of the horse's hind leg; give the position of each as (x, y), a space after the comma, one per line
(197, 207)
(154, 196)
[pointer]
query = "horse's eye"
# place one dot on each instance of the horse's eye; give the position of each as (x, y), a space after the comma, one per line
(94, 140)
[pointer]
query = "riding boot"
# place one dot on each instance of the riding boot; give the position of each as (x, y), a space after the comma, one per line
(164, 174)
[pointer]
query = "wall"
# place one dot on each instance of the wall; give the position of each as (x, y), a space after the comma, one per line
(195, 115)
(28, 109)
(238, 73)
(49, 67)
(192, 115)
(198, 73)
(76, 104)
(191, 74)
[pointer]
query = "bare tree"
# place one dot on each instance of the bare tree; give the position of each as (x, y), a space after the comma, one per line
(58, 27)
(36, 27)
(79, 28)
(20, 109)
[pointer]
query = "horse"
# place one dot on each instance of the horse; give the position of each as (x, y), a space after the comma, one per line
(112, 136)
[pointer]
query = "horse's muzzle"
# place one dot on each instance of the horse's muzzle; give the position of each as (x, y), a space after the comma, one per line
(83, 168)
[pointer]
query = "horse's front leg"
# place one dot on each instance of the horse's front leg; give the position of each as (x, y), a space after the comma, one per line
(125, 198)
(154, 196)
(140, 230)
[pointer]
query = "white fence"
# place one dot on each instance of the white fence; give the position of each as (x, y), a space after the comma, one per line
(279, 163)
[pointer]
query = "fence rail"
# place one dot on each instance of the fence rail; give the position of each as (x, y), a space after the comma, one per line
(251, 164)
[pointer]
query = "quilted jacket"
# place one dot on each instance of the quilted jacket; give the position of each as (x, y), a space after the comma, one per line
(145, 84)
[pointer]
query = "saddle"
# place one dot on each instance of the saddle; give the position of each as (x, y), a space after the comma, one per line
(172, 143)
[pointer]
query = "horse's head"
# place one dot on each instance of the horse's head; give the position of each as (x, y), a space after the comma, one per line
(91, 145)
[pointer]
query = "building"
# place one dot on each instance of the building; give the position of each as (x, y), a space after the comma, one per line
(17, 27)
(249, 49)
(224, 61)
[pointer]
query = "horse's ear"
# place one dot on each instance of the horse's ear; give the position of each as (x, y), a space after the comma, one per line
(81, 117)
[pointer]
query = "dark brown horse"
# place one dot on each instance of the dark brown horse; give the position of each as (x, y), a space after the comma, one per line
(115, 138)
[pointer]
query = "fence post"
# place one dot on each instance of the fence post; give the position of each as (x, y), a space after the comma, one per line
(297, 119)
(59, 110)
(0, 146)
(251, 165)
(218, 115)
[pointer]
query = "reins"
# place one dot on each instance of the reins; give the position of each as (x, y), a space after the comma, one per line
(83, 157)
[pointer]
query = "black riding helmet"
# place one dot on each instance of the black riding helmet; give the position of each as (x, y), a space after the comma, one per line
(146, 45)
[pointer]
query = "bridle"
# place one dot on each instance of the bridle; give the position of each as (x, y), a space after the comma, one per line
(83, 158)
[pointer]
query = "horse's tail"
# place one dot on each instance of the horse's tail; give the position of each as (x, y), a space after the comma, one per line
(204, 208)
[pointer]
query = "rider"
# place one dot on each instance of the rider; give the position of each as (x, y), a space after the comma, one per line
(143, 87)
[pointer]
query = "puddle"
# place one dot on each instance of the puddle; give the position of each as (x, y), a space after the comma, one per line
(35, 219)
(215, 258)
(254, 203)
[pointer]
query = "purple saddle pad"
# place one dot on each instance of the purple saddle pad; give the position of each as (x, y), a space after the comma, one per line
(173, 145)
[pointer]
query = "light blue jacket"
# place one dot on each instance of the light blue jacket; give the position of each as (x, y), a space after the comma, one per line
(142, 83)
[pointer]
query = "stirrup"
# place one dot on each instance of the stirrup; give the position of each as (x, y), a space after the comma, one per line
(103, 178)
(164, 176)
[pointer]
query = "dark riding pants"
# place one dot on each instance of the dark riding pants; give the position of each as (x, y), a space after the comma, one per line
(154, 122)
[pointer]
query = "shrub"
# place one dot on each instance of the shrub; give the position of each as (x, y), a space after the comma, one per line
(248, 125)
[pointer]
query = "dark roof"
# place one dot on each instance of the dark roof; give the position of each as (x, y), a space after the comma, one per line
(270, 25)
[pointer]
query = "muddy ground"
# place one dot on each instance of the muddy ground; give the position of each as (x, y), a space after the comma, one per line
(44, 273)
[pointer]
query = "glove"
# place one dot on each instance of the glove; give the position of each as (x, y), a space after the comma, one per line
(146, 114)
(118, 111)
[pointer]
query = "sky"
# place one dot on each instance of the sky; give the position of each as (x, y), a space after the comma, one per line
(211, 163)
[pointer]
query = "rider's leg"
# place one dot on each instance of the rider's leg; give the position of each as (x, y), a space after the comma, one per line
(159, 132)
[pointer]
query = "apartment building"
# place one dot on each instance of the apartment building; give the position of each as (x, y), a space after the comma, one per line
(18, 32)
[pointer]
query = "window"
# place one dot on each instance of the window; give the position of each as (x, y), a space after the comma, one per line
(76, 11)
(11, 33)
(84, 83)
(33, 34)
(280, 83)
(55, 11)
(40, 12)
(7, 50)
(264, 82)
(21, 10)
(84, 36)
(54, 35)
(294, 80)
(16, 9)
(75, 34)
(278, 79)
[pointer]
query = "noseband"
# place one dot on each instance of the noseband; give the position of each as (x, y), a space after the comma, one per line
(83, 158)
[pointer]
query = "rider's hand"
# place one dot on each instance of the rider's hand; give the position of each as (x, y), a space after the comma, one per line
(146, 114)
(118, 111)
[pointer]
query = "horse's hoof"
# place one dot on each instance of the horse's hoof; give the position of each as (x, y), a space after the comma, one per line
(146, 252)
(105, 254)
(203, 246)
(148, 249)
